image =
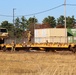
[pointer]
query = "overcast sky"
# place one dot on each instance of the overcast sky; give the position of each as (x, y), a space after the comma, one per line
(26, 7)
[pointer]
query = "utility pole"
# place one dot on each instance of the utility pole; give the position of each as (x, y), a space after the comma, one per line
(65, 21)
(14, 23)
(65, 12)
(13, 16)
(34, 28)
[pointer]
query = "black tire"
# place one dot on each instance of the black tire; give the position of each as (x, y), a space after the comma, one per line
(4, 48)
(73, 49)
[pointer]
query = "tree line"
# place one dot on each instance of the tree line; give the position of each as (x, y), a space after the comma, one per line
(22, 25)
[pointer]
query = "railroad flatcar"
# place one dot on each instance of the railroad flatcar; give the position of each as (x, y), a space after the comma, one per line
(50, 39)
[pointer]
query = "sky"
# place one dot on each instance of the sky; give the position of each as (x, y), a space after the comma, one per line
(27, 7)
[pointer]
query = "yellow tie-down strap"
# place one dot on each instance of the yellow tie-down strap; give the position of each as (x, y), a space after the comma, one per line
(18, 45)
(2, 45)
(8, 45)
(51, 45)
(59, 45)
(72, 45)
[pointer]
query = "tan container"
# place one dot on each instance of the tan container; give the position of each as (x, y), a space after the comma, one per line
(51, 34)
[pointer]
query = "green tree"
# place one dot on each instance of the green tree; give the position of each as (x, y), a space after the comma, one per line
(19, 27)
(70, 21)
(32, 20)
(31, 24)
(9, 27)
(60, 20)
(23, 24)
(50, 20)
(17, 23)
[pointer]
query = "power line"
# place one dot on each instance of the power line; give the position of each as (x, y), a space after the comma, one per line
(44, 11)
(49, 9)
(34, 13)
(6, 15)
(39, 12)
(71, 4)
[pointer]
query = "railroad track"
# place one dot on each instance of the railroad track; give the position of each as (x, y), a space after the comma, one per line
(63, 52)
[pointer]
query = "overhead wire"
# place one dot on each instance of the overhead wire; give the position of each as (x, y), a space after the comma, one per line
(71, 4)
(39, 12)
(34, 13)
(6, 15)
(45, 10)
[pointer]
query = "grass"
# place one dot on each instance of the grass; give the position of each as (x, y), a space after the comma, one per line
(37, 63)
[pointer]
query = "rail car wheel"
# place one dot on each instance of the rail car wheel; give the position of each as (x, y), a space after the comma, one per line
(73, 49)
(4, 48)
(0, 47)
(47, 50)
